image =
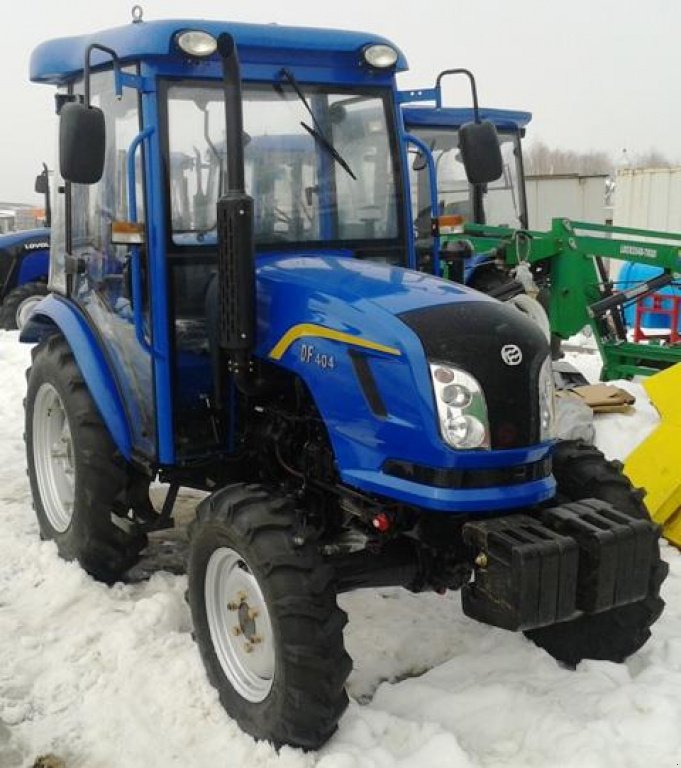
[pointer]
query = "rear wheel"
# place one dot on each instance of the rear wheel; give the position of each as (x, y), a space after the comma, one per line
(80, 483)
(266, 619)
(19, 303)
(582, 472)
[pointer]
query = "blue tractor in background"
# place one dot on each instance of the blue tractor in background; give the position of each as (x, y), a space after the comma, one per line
(442, 192)
(242, 315)
(24, 260)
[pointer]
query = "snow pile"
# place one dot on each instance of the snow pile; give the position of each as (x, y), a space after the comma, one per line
(110, 677)
(617, 434)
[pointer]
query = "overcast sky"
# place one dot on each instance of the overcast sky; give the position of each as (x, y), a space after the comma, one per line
(596, 74)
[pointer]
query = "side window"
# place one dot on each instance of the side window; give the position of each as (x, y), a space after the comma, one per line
(454, 191)
(96, 206)
(359, 134)
(100, 286)
(57, 274)
(502, 202)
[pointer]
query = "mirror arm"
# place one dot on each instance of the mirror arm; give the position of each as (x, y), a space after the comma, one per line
(474, 89)
(86, 70)
(48, 202)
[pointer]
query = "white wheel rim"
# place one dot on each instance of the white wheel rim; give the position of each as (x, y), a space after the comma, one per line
(534, 310)
(239, 624)
(53, 457)
(25, 309)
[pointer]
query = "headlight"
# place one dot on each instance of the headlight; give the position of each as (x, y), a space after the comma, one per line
(197, 43)
(380, 56)
(461, 408)
(547, 412)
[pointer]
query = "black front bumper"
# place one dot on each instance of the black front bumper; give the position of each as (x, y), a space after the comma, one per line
(583, 557)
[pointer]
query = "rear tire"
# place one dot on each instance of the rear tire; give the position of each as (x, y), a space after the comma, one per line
(78, 478)
(19, 303)
(582, 472)
(265, 618)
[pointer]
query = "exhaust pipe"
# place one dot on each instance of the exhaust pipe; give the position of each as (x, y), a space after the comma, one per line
(236, 250)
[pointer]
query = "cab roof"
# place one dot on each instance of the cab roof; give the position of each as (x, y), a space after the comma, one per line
(453, 117)
(57, 61)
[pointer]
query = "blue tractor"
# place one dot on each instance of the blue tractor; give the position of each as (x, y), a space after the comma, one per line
(441, 191)
(352, 421)
(24, 258)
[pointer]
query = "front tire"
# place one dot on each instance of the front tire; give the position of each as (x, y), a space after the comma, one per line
(79, 481)
(265, 618)
(582, 472)
(19, 303)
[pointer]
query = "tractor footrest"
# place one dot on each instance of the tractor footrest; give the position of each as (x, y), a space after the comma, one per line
(526, 573)
(616, 552)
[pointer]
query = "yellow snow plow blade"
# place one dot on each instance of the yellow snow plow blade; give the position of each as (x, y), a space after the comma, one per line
(656, 463)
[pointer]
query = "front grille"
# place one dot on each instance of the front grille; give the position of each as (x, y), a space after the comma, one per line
(470, 335)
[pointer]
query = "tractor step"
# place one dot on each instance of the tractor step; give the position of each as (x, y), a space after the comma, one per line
(583, 557)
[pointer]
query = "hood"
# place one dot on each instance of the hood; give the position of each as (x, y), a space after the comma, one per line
(351, 297)
(358, 282)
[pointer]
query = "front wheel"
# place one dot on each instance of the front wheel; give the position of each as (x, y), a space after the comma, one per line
(20, 303)
(582, 472)
(265, 618)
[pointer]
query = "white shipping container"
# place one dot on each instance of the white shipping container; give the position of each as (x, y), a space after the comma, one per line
(648, 198)
(566, 196)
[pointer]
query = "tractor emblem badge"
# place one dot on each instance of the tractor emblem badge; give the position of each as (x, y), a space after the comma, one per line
(511, 354)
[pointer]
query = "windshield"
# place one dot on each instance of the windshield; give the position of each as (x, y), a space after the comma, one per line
(330, 179)
(503, 202)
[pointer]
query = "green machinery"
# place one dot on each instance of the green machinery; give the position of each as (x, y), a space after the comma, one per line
(570, 260)
(568, 263)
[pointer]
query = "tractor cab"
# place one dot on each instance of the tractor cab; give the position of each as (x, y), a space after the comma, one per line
(499, 203)
(136, 248)
(442, 189)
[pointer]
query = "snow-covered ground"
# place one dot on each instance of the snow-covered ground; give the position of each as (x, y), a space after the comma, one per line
(110, 677)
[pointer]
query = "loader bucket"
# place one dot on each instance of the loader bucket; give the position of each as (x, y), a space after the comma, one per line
(656, 463)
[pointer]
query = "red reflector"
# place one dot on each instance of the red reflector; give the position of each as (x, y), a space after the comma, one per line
(381, 522)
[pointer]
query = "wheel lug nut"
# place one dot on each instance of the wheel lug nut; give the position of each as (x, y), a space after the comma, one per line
(256, 639)
(481, 560)
(248, 648)
(236, 631)
(241, 596)
(232, 606)
(252, 613)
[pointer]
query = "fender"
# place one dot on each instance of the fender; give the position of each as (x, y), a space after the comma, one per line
(54, 315)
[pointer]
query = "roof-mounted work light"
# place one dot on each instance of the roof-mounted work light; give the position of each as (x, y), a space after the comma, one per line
(194, 42)
(380, 56)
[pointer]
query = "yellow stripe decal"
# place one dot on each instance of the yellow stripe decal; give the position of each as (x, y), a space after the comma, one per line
(319, 331)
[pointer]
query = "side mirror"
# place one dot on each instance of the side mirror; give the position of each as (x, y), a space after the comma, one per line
(42, 185)
(480, 152)
(82, 143)
(420, 162)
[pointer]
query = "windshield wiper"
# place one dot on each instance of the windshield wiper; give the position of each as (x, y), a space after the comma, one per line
(328, 146)
(317, 133)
